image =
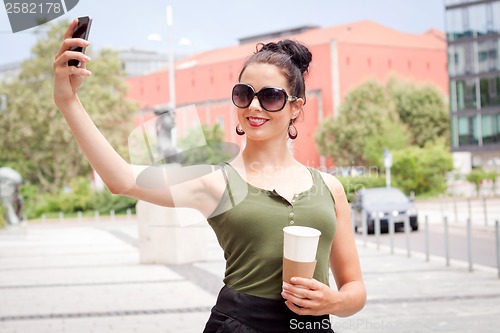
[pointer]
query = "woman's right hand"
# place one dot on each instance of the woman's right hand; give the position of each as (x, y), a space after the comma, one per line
(67, 79)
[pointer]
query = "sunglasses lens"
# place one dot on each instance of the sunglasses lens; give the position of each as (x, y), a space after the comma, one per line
(272, 99)
(242, 95)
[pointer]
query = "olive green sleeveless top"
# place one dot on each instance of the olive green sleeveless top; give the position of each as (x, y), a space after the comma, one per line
(249, 222)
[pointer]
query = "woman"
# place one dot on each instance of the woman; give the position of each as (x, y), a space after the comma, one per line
(275, 191)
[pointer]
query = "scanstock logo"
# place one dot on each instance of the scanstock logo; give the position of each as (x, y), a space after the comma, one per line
(26, 14)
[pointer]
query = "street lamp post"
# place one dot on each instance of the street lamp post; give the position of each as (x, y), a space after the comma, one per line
(171, 68)
(387, 165)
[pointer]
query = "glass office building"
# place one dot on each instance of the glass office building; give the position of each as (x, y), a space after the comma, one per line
(473, 32)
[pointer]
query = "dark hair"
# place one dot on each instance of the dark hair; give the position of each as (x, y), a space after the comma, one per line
(291, 57)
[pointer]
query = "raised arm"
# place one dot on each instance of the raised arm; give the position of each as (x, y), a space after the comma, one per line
(118, 175)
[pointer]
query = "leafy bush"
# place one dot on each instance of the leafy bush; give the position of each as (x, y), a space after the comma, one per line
(3, 220)
(492, 176)
(422, 170)
(79, 196)
(476, 177)
(206, 146)
(354, 184)
(105, 201)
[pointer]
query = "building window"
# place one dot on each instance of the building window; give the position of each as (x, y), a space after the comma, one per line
(466, 94)
(498, 126)
(477, 20)
(453, 96)
(490, 91)
(472, 21)
(490, 129)
(467, 131)
(487, 56)
(453, 130)
(461, 59)
(347, 61)
(455, 23)
(495, 7)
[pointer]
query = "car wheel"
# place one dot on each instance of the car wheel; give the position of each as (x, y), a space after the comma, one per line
(414, 227)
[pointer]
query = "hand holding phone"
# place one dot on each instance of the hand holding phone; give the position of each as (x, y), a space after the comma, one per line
(82, 30)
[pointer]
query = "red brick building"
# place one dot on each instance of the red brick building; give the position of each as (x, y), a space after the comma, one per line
(343, 57)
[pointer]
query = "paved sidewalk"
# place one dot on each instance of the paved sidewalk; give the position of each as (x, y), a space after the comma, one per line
(482, 211)
(86, 277)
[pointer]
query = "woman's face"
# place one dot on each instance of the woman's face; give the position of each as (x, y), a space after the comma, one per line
(258, 123)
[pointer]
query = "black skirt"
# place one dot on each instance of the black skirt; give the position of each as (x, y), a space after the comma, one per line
(236, 312)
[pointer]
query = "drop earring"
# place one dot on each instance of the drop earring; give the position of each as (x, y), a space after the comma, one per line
(292, 132)
(239, 130)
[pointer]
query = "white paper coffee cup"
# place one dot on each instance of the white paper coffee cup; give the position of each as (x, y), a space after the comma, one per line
(300, 243)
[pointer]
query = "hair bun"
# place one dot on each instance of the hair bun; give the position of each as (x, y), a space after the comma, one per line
(299, 53)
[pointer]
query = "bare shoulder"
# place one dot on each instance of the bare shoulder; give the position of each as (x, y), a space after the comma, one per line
(334, 185)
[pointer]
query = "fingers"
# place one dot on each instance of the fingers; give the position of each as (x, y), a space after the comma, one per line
(304, 296)
(296, 299)
(298, 291)
(71, 29)
(312, 284)
(62, 69)
(69, 41)
(71, 70)
(302, 311)
(62, 60)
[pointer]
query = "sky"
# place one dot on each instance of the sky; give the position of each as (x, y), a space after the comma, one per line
(210, 24)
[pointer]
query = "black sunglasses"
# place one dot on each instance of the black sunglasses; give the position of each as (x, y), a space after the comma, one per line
(270, 98)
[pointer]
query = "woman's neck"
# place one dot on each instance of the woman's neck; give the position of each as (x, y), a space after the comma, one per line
(263, 154)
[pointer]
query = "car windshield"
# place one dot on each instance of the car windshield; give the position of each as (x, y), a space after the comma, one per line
(384, 197)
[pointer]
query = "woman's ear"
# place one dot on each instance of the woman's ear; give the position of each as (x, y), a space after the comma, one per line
(297, 107)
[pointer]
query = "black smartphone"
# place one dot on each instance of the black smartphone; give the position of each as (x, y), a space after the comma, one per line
(82, 30)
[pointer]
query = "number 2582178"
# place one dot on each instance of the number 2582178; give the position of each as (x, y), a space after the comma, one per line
(33, 8)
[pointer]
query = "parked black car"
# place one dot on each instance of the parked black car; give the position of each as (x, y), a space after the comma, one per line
(383, 202)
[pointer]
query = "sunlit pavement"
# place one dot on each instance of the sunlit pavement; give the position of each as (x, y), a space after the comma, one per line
(483, 211)
(85, 277)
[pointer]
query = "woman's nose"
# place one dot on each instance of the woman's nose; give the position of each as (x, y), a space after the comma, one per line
(255, 105)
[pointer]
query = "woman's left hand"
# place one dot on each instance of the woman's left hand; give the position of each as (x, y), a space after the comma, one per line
(310, 297)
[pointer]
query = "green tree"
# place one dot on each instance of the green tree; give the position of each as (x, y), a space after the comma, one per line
(476, 177)
(392, 135)
(206, 146)
(492, 175)
(423, 170)
(35, 138)
(422, 108)
(366, 113)
(375, 116)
